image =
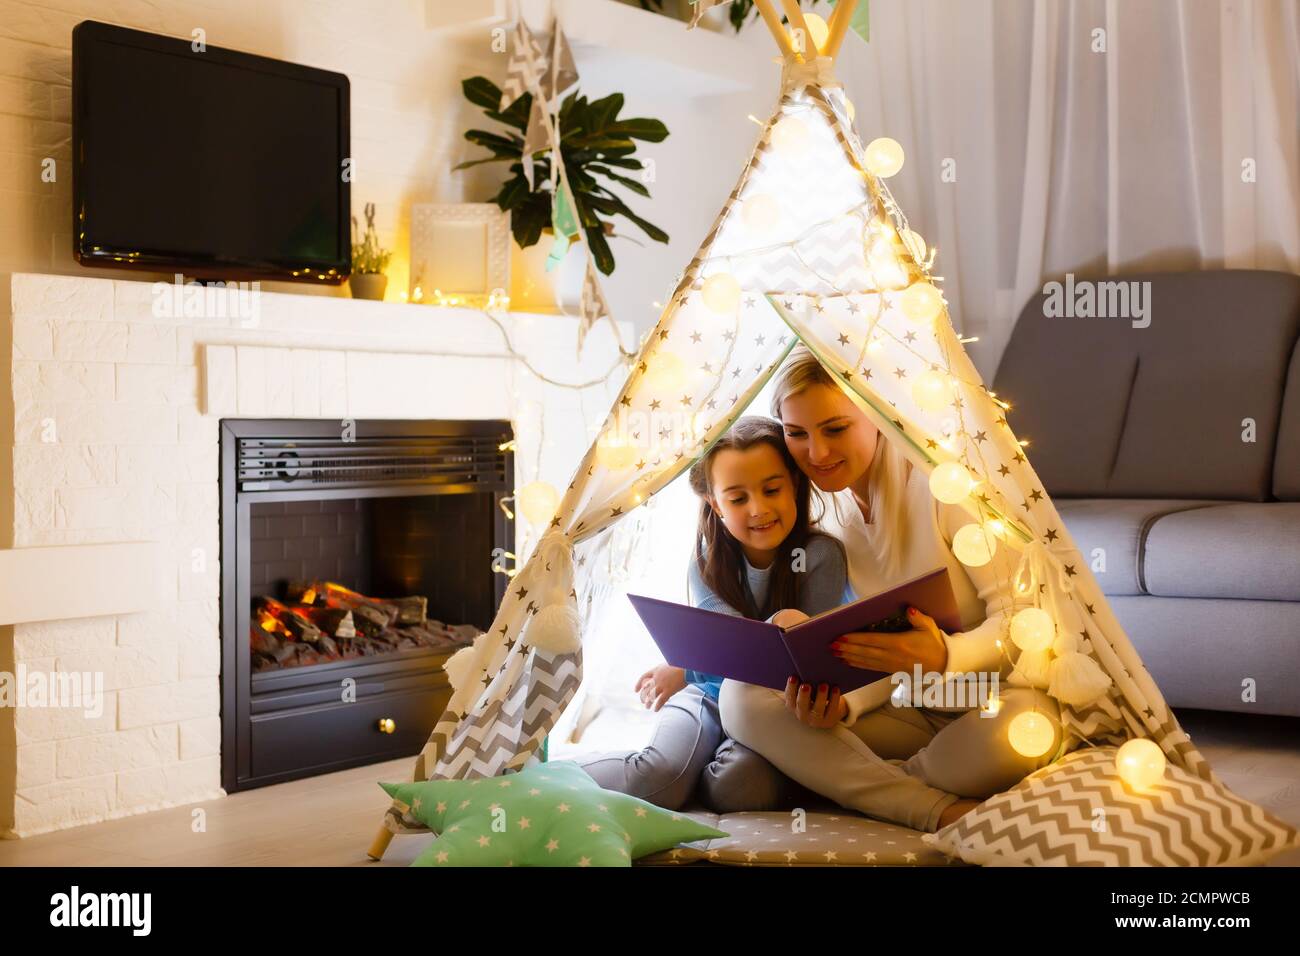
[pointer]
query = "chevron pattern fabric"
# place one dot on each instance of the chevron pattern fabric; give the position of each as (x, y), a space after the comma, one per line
(1077, 812)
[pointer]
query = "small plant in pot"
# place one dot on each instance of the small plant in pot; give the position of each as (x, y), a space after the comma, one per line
(594, 142)
(369, 260)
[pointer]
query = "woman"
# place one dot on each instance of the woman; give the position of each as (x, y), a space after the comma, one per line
(921, 767)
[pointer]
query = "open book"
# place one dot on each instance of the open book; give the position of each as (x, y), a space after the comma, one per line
(757, 652)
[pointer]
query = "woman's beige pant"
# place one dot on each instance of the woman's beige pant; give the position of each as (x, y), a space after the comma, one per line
(903, 764)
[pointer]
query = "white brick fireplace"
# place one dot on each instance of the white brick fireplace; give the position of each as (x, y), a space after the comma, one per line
(109, 553)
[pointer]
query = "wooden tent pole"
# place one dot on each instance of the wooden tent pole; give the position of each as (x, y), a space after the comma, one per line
(774, 24)
(839, 26)
(795, 15)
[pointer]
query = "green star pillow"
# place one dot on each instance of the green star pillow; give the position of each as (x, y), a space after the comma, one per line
(549, 814)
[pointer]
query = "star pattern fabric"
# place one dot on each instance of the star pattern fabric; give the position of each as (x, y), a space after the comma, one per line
(549, 814)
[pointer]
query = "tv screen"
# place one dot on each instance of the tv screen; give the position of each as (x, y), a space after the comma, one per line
(216, 163)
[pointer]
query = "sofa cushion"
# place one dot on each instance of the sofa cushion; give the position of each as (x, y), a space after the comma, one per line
(1115, 409)
(1286, 461)
(1119, 527)
(1246, 550)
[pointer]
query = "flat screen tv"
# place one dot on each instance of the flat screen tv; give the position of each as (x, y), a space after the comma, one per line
(214, 163)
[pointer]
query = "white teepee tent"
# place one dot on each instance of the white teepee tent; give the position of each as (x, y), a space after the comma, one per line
(809, 246)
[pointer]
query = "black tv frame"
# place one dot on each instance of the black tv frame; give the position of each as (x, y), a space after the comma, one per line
(206, 267)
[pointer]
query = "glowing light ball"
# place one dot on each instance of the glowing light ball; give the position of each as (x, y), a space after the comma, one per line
(921, 303)
(615, 452)
(538, 500)
(818, 30)
(790, 135)
(722, 292)
(915, 244)
(951, 482)
(665, 373)
(886, 268)
(931, 390)
(974, 545)
(1031, 734)
(1140, 763)
(762, 212)
(884, 157)
(1033, 629)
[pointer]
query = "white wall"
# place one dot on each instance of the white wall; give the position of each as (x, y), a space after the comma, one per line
(408, 120)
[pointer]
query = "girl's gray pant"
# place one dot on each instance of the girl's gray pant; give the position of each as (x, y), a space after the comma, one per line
(690, 756)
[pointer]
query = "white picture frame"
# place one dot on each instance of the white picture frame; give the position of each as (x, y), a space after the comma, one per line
(462, 250)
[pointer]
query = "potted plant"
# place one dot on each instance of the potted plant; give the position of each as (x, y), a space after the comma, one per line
(594, 142)
(369, 260)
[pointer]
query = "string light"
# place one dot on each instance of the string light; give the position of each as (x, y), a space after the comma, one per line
(538, 501)
(884, 157)
(974, 545)
(1033, 630)
(1031, 734)
(1140, 763)
(722, 293)
(951, 482)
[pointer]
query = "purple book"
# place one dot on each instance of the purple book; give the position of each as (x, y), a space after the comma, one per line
(756, 652)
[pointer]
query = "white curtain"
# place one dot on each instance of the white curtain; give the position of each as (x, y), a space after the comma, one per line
(1085, 136)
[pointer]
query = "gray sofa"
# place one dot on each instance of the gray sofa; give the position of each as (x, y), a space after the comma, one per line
(1137, 434)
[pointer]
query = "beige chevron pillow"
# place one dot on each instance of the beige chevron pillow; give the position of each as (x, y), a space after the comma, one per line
(1077, 812)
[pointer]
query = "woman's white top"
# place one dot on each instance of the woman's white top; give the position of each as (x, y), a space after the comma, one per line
(983, 594)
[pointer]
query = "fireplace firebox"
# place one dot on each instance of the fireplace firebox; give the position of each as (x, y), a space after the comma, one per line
(356, 558)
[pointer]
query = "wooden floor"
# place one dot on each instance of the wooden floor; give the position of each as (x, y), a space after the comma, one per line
(330, 820)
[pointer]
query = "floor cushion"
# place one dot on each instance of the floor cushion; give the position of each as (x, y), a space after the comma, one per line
(1054, 818)
(771, 838)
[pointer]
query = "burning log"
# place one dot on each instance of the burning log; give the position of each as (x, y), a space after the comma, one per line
(334, 621)
(324, 621)
(296, 624)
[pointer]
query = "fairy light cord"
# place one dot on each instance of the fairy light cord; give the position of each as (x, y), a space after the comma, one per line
(523, 360)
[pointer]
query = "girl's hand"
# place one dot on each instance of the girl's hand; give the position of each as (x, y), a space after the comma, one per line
(899, 651)
(788, 617)
(656, 685)
(823, 710)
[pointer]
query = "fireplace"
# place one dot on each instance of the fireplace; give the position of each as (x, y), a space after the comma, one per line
(356, 558)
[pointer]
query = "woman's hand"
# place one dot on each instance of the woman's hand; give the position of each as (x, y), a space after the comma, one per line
(656, 685)
(897, 651)
(823, 710)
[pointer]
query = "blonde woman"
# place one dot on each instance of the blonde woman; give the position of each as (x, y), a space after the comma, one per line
(920, 767)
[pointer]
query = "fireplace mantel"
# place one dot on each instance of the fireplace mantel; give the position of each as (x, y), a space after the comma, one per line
(109, 467)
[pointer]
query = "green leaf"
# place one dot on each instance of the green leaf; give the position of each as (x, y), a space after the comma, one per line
(632, 184)
(500, 145)
(600, 251)
(650, 130)
(616, 207)
(480, 162)
(482, 92)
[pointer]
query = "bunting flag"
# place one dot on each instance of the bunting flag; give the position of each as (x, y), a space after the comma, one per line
(702, 7)
(561, 72)
(565, 224)
(594, 306)
(536, 138)
(860, 22)
(524, 68)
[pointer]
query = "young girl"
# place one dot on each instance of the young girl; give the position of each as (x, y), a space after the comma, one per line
(757, 557)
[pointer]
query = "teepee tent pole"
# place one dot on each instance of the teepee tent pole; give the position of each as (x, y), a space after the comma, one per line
(795, 15)
(839, 26)
(778, 32)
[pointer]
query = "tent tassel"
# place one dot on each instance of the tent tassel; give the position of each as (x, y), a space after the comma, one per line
(1074, 677)
(555, 626)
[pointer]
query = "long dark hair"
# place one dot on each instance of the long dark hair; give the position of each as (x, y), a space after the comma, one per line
(719, 555)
